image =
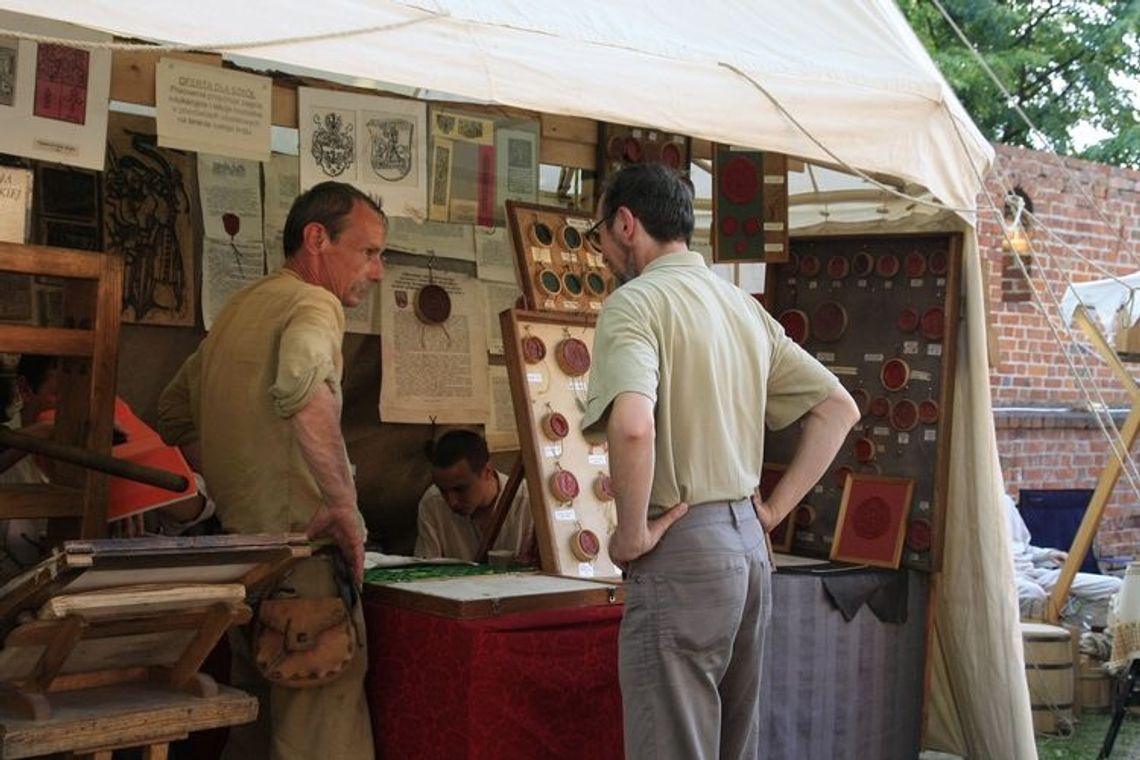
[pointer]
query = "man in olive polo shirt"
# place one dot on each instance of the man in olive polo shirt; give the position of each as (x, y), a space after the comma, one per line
(687, 371)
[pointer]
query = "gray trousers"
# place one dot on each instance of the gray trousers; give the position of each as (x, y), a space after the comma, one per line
(692, 638)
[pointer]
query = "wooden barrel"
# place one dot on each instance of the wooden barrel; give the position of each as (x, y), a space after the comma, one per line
(1049, 671)
(1094, 687)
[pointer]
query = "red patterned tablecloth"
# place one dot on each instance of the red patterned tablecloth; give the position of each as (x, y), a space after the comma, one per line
(524, 686)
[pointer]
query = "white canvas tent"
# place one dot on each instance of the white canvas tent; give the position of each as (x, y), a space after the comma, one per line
(839, 83)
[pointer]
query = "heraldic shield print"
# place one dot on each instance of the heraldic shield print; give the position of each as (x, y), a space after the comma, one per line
(334, 145)
(391, 151)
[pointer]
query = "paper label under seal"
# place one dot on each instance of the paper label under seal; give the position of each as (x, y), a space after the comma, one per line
(872, 357)
(585, 570)
(552, 450)
(565, 515)
(773, 247)
(930, 435)
(773, 226)
(598, 460)
(910, 346)
(920, 375)
(825, 356)
(916, 283)
(934, 349)
(774, 179)
(535, 378)
(881, 431)
(904, 437)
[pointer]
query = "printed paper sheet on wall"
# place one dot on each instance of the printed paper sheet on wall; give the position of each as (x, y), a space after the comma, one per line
(147, 208)
(233, 252)
(53, 98)
(432, 370)
(377, 144)
(282, 185)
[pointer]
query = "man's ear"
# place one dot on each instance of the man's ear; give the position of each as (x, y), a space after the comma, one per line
(489, 470)
(314, 235)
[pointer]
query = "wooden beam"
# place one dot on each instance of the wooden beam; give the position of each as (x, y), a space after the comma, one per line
(576, 155)
(570, 128)
(48, 261)
(50, 341)
(132, 73)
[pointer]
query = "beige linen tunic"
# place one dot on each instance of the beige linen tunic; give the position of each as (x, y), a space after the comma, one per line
(443, 533)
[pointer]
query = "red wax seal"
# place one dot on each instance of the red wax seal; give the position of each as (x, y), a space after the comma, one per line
(862, 400)
(919, 534)
(751, 226)
(938, 263)
(604, 488)
(914, 264)
(887, 266)
(795, 324)
(728, 226)
(928, 412)
(863, 264)
(904, 415)
(740, 248)
(564, 485)
(837, 267)
(533, 349)
(829, 321)
(585, 545)
(907, 320)
(671, 155)
(809, 265)
(650, 152)
(933, 323)
(632, 150)
(880, 406)
(804, 516)
(739, 180)
(864, 450)
(895, 374)
(841, 475)
(871, 518)
(432, 305)
(573, 357)
(555, 426)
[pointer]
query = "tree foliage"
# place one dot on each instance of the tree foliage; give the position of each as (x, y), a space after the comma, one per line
(1065, 63)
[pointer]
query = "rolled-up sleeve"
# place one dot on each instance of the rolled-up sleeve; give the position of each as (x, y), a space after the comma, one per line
(308, 355)
(625, 360)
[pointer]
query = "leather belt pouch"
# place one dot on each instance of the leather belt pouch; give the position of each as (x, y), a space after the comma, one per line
(303, 643)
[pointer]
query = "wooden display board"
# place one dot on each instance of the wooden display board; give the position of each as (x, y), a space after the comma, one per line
(882, 313)
(750, 206)
(620, 145)
(549, 402)
(560, 270)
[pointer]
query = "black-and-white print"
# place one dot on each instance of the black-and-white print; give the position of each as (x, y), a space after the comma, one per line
(520, 154)
(334, 141)
(9, 53)
(391, 147)
(441, 170)
(472, 129)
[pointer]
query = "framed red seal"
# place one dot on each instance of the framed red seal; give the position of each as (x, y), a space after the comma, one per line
(907, 320)
(864, 450)
(604, 487)
(914, 264)
(887, 266)
(928, 411)
(533, 349)
(862, 400)
(564, 486)
(432, 305)
(933, 323)
(904, 415)
(572, 356)
(585, 545)
(939, 263)
(880, 406)
(809, 265)
(796, 325)
(829, 321)
(555, 426)
(895, 374)
(862, 264)
(739, 180)
(872, 519)
(838, 267)
(919, 535)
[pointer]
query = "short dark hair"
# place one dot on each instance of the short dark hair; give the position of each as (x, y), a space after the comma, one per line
(329, 204)
(34, 368)
(456, 445)
(656, 195)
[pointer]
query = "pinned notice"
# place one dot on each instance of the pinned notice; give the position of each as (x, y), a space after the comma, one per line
(213, 110)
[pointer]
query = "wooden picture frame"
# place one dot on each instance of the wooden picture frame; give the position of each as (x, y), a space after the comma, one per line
(872, 520)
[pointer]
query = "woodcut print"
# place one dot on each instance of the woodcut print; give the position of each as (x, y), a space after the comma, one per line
(61, 83)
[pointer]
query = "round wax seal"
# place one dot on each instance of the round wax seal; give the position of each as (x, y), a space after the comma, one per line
(573, 357)
(837, 267)
(809, 265)
(863, 264)
(615, 148)
(871, 518)
(549, 282)
(904, 415)
(914, 264)
(880, 406)
(829, 321)
(533, 349)
(572, 284)
(564, 486)
(841, 475)
(928, 412)
(584, 545)
(604, 488)
(751, 226)
(432, 305)
(671, 155)
(650, 152)
(907, 320)
(740, 248)
(804, 516)
(596, 283)
(541, 233)
(895, 374)
(862, 400)
(864, 450)
(728, 226)
(632, 150)
(795, 324)
(739, 180)
(938, 263)
(571, 238)
(555, 426)
(887, 266)
(918, 534)
(933, 323)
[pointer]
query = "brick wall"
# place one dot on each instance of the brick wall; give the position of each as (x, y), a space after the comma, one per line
(1046, 437)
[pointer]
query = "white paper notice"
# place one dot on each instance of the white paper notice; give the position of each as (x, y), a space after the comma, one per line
(15, 204)
(497, 297)
(282, 184)
(516, 154)
(233, 252)
(494, 255)
(53, 98)
(209, 109)
(377, 144)
(430, 370)
(451, 241)
(502, 431)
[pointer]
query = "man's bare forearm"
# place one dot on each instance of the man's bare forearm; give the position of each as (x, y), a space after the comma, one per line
(631, 433)
(317, 428)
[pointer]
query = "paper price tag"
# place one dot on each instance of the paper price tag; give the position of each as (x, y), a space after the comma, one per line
(585, 570)
(940, 281)
(881, 431)
(934, 349)
(888, 285)
(924, 506)
(812, 285)
(565, 515)
(552, 451)
(598, 460)
(920, 375)
(535, 378)
(930, 435)
(825, 356)
(860, 283)
(872, 357)
(910, 346)
(916, 283)
(904, 438)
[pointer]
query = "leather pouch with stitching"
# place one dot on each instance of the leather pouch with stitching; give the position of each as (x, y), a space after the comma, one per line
(303, 643)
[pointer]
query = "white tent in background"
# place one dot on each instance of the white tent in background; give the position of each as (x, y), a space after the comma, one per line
(842, 84)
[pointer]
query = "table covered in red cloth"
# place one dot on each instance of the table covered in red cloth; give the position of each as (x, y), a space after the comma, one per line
(527, 685)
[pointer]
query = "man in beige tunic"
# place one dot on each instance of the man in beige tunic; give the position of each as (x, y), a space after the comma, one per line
(687, 371)
(258, 407)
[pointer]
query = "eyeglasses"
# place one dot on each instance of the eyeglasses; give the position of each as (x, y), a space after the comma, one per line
(594, 234)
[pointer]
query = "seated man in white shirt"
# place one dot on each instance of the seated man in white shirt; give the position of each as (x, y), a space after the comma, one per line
(1037, 569)
(457, 509)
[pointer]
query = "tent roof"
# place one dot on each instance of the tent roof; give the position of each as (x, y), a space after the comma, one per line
(852, 74)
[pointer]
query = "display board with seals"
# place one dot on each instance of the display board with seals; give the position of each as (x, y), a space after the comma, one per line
(548, 359)
(750, 206)
(881, 312)
(559, 269)
(620, 145)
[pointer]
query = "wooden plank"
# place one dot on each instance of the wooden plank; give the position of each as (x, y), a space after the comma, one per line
(569, 128)
(67, 635)
(132, 72)
(701, 149)
(50, 341)
(284, 106)
(567, 153)
(155, 752)
(46, 260)
(218, 620)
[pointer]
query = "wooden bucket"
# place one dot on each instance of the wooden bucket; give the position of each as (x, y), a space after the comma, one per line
(1049, 672)
(1094, 687)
